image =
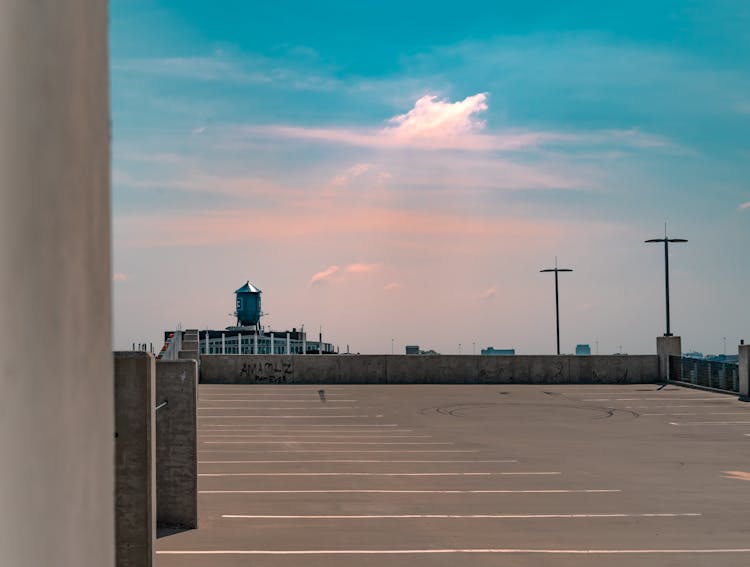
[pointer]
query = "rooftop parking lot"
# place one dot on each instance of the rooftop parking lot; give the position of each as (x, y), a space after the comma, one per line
(477, 475)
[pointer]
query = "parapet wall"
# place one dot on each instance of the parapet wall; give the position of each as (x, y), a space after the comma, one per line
(427, 369)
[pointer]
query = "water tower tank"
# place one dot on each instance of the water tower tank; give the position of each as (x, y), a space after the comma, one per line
(248, 305)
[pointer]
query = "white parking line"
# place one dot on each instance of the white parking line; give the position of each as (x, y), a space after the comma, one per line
(373, 491)
(709, 423)
(271, 425)
(359, 461)
(675, 406)
(316, 436)
(318, 407)
(344, 451)
(310, 401)
(384, 474)
(458, 516)
(645, 399)
(209, 428)
(457, 551)
(699, 413)
(271, 416)
(329, 442)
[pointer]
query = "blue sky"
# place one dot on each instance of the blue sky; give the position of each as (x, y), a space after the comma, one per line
(404, 169)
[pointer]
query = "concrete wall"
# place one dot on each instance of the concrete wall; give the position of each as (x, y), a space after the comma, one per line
(425, 369)
(56, 407)
(744, 372)
(176, 444)
(135, 478)
(666, 347)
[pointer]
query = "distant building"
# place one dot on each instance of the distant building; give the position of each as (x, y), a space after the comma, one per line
(583, 350)
(412, 349)
(491, 351)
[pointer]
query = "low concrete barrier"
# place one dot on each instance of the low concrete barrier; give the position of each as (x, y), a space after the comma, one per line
(744, 372)
(428, 369)
(135, 510)
(176, 444)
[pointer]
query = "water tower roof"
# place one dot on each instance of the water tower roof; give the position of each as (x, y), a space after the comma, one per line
(248, 288)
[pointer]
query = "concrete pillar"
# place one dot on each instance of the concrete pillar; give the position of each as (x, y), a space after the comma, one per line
(135, 476)
(255, 343)
(272, 351)
(176, 444)
(744, 360)
(188, 355)
(666, 347)
(56, 407)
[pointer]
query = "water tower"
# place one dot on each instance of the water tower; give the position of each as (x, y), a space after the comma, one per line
(248, 305)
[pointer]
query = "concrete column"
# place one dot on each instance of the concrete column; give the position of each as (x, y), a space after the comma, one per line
(273, 351)
(255, 343)
(744, 360)
(135, 476)
(56, 407)
(176, 444)
(666, 347)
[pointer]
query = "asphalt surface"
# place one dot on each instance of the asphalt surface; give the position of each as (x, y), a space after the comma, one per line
(423, 475)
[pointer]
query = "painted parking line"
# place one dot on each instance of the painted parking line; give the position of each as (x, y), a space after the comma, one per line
(736, 475)
(723, 402)
(381, 474)
(317, 436)
(310, 401)
(328, 442)
(266, 426)
(343, 451)
(376, 491)
(271, 416)
(645, 399)
(456, 551)
(358, 461)
(275, 431)
(319, 407)
(697, 413)
(688, 423)
(459, 516)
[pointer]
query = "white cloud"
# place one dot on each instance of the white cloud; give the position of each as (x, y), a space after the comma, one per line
(488, 293)
(118, 277)
(435, 119)
(744, 206)
(324, 275)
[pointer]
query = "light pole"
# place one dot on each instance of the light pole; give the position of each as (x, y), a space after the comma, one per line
(557, 299)
(666, 242)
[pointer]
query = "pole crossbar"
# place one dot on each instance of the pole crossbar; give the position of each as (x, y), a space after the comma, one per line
(667, 241)
(557, 270)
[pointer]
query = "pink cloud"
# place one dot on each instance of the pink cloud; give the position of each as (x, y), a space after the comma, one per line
(393, 286)
(744, 206)
(351, 173)
(120, 277)
(362, 268)
(488, 293)
(324, 275)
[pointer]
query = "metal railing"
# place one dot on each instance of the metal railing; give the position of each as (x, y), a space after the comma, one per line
(705, 373)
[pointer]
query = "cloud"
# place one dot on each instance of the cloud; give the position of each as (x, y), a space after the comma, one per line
(437, 119)
(744, 206)
(362, 268)
(434, 124)
(393, 286)
(324, 275)
(118, 277)
(488, 293)
(351, 173)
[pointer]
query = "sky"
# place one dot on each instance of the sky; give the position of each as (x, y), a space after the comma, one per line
(402, 170)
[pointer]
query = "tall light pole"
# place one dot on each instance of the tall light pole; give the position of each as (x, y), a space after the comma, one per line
(666, 242)
(557, 299)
